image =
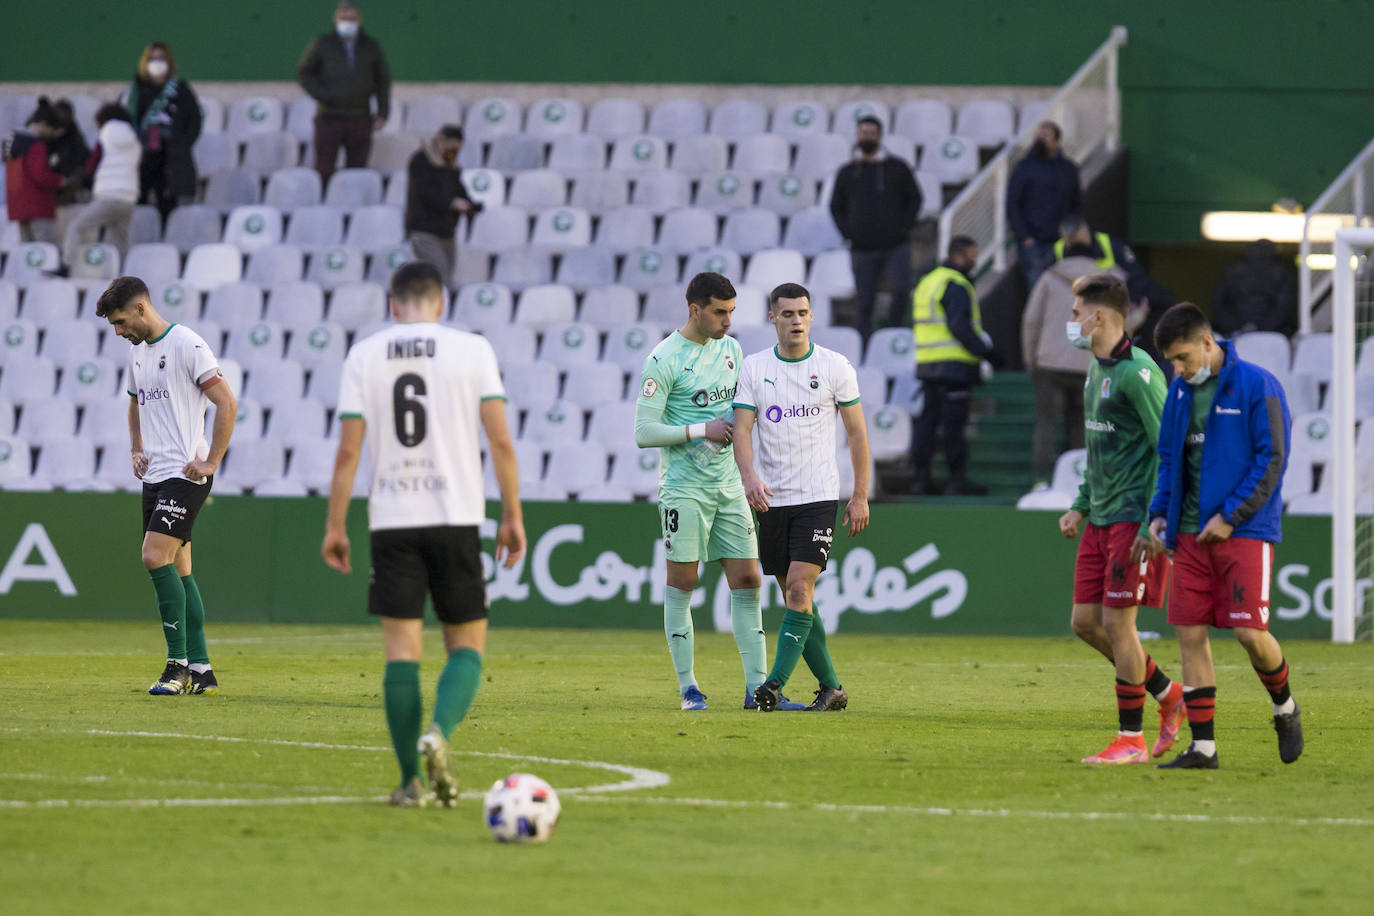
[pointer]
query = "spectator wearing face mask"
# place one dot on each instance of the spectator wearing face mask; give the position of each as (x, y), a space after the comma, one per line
(435, 198)
(31, 182)
(1043, 190)
(115, 166)
(343, 70)
(166, 117)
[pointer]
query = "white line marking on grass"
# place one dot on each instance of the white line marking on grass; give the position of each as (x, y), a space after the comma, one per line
(191, 802)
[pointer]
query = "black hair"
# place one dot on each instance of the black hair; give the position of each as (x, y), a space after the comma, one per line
(451, 132)
(787, 291)
(869, 119)
(1184, 321)
(119, 294)
(1058, 134)
(707, 286)
(416, 280)
(1071, 224)
(960, 244)
(1102, 289)
(45, 113)
(112, 111)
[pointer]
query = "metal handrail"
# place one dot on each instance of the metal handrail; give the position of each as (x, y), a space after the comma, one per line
(1310, 292)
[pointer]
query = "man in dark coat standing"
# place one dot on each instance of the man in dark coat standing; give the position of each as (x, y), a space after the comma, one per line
(435, 198)
(342, 70)
(1044, 188)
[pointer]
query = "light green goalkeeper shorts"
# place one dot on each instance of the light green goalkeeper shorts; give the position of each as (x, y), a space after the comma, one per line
(701, 525)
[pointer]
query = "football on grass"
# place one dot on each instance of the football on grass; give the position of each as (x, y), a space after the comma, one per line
(521, 809)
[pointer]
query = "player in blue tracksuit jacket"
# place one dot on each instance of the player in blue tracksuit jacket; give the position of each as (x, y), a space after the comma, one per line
(1223, 448)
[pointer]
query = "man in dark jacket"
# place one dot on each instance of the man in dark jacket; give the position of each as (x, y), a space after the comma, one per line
(1259, 292)
(1223, 449)
(435, 198)
(950, 348)
(874, 205)
(1043, 190)
(342, 70)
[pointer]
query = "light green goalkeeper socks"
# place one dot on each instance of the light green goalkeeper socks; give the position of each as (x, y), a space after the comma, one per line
(746, 619)
(792, 636)
(817, 655)
(171, 604)
(458, 684)
(195, 623)
(401, 696)
(677, 625)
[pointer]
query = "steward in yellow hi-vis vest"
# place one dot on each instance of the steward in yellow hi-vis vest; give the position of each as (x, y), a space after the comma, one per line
(1101, 252)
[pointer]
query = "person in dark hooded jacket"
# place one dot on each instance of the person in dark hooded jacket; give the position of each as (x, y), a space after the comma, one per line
(167, 118)
(1259, 292)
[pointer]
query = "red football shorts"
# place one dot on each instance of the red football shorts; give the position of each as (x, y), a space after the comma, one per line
(1104, 574)
(1222, 584)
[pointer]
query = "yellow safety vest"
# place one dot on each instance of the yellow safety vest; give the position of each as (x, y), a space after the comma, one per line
(1104, 241)
(934, 342)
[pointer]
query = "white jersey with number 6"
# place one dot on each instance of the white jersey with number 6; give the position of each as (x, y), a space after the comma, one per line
(418, 386)
(168, 377)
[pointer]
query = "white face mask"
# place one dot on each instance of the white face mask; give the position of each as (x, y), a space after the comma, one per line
(346, 28)
(157, 69)
(1074, 329)
(1200, 376)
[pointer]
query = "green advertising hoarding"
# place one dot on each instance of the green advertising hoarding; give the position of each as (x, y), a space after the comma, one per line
(917, 569)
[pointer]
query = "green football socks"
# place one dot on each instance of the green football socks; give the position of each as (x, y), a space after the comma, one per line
(677, 625)
(401, 696)
(458, 684)
(195, 623)
(817, 655)
(171, 604)
(746, 620)
(792, 637)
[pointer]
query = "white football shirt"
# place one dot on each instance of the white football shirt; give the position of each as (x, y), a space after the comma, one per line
(419, 387)
(166, 377)
(796, 403)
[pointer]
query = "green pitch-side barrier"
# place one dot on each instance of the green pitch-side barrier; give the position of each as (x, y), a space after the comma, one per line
(916, 570)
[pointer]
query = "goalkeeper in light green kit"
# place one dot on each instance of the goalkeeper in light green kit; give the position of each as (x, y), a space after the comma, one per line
(685, 396)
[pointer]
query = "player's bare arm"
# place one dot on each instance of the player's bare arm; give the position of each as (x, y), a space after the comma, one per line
(226, 413)
(756, 492)
(856, 429)
(139, 459)
(510, 537)
(335, 549)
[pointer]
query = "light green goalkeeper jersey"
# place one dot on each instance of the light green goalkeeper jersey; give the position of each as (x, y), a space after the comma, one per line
(685, 383)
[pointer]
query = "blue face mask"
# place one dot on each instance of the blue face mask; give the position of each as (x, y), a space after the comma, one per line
(1074, 330)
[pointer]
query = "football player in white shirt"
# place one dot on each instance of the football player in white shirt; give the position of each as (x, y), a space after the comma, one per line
(172, 376)
(421, 394)
(792, 393)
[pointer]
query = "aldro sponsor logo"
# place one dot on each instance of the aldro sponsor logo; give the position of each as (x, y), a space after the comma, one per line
(148, 395)
(778, 413)
(704, 398)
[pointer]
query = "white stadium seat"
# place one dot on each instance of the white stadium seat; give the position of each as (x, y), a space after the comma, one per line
(697, 155)
(319, 345)
(611, 119)
(69, 341)
(210, 265)
(50, 300)
(256, 344)
(265, 152)
(483, 305)
(592, 385)
(485, 186)
(645, 268)
(675, 118)
(751, 230)
(577, 154)
(374, 228)
(924, 121)
(687, 229)
(953, 160)
(584, 268)
(511, 153)
(549, 118)
(605, 306)
(786, 194)
(762, 154)
(537, 189)
(349, 189)
(629, 345)
(847, 116)
(353, 305)
(426, 114)
(255, 114)
(568, 343)
(234, 304)
(288, 189)
(530, 385)
(276, 263)
(577, 466)
(544, 305)
(252, 228)
(721, 192)
(735, 119)
(660, 190)
(1068, 476)
(334, 266)
(988, 122)
(295, 304)
(773, 266)
(637, 154)
(796, 119)
(560, 228)
(192, 225)
(820, 155)
(520, 268)
(812, 231)
(27, 263)
(487, 119)
(47, 420)
(92, 383)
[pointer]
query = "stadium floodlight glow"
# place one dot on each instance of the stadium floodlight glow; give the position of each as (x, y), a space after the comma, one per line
(1248, 226)
(1328, 262)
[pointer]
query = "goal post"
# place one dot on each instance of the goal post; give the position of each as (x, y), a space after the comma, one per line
(1352, 316)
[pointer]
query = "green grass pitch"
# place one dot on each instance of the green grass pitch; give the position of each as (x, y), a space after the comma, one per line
(951, 785)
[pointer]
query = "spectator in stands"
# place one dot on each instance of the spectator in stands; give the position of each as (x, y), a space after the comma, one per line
(435, 198)
(1076, 238)
(166, 116)
(1057, 366)
(1043, 190)
(874, 204)
(69, 148)
(342, 70)
(950, 346)
(115, 164)
(1258, 292)
(31, 182)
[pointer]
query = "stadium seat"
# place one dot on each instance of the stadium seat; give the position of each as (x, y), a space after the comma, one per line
(892, 351)
(530, 385)
(352, 188)
(295, 304)
(16, 460)
(1068, 477)
(645, 268)
(1365, 361)
(252, 228)
(27, 262)
(932, 194)
(485, 186)
(68, 464)
(273, 264)
(899, 147)
(289, 189)
(9, 301)
(661, 190)
(252, 462)
(1266, 349)
(300, 119)
(92, 383)
(106, 424)
(584, 268)
(611, 119)
(786, 194)
(68, 341)
(154, 261)
(695, 156)
(831, 273)
(192, 225)
(324, 384)
(558, 422)
(426, 114)
(50, 300)
(751, 230)
(812, 231)
(512, 153)
(577, 154)
(638, 154)
(392, 152)
(470, 265)
(7, 418)
(487, 119)
(1302, 391)
(613, 423)
(625, 228)
(545, 304)
(843, 340)
(800, 118)
(232, 371)
(559, 228)
(889, 432)
(1031, 114)
(593, 385)
(375, 228)
(212, 115)
(872, 386)
(714, 260)
(576, 466)
(500, 227)
(1364, 399)
(210, 265)
(924, 121)
(721, 192)
(538, 189)
(762, 154)
(513, 343)
(605, 306)
(673, 119)
(175, 301)
(1314, 354)
(316, 346)
(293, 423)
(335, 266)
(550, 118)
(820, 155)
(234, 187)
(312, 466)
(96, 265)
(484, 305)
(255, 114)
(987, 122)
(273, 383)
(629, 345)
(665, 307)
(315, 226)
(397, 187)
(386, 262)
(353, 305)
(214, 152)
(265, 153)
(145, 225)
(953, 160)
(847, 116)
(234, 305)
(47, 420)
(773, 266)
(566, 344)
(635, 471)
(751, 307)
(520, 268)
(687, 229)
(26, 378)
(254, 344)
(735, 119)
(1311, 438)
